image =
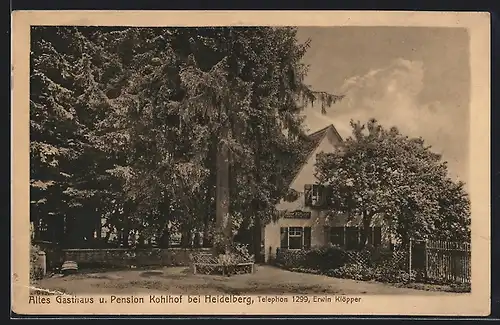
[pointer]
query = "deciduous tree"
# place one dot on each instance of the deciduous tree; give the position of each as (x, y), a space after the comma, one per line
(380, 171)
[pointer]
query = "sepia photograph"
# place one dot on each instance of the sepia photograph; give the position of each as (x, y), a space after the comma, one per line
(283, 166)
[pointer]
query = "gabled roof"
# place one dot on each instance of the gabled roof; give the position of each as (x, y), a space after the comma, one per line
(314, 139)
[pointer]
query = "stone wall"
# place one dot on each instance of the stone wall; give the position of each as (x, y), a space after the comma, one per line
(53, 254)
(123, 257)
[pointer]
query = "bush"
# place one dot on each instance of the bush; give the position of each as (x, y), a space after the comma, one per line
(382, 273)
(241, 251)
(318, 259)
(36, 271)
(229, 261)
(353, 271)
(460, 287)
(291, 258)
(365, 265)
(386, 272)
(325, 258)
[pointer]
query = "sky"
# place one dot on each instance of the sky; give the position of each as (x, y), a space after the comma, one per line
(415, 78)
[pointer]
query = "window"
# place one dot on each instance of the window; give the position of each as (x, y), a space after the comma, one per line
(308, 195)
(328, 200)
(351, 237)
(352, 240)
(295, 237)
(337, 236)
(312, 195)
(316, 195)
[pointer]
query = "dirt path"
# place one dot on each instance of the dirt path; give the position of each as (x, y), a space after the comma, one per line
(178, 280)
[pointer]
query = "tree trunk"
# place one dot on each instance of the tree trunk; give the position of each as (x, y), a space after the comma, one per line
(141, 240)
(125, 225)
(210, 202)
(108, 235)
(366, 230)
(257, 226)
(206, 220)
(197, 238)
(125, 236)
(257, 238)
(223, 222)
(186, 233)
(405, 228)
(58, 229)
(206, 234)
(69, 236)
(165, 237)
(244, 234)
(405, 239)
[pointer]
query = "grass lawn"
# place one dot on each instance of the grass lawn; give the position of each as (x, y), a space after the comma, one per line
(180, 280)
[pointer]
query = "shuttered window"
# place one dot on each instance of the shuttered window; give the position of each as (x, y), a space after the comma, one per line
(284, 237)
(307, 237)
(316, 195)
(295, 237)
(308, 195)
(328, 201)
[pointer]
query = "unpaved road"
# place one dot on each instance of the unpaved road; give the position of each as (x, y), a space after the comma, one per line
(178, 280)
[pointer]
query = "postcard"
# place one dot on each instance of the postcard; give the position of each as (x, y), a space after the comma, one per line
(250, 163)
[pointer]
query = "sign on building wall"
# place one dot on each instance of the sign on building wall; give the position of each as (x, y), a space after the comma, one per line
(297, 214)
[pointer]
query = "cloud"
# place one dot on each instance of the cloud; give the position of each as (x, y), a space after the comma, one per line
(392, 95)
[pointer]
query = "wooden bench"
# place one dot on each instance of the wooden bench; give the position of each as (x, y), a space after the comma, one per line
(208, 261)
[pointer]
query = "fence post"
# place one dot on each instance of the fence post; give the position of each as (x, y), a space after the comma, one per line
(426, 259)
(409, 259)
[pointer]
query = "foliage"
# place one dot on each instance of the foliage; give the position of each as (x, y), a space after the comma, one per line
(292, 195)
(353, 271)
(325, 258)
(291, 258)
(237, 254)
(319, 259)
(386, 272)
(241, 250)
(36, 271)
(382, 273)
(380, 172)
(336, 262)
(461, 287)
(228, 259)
(366, 265)
(126, 124)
